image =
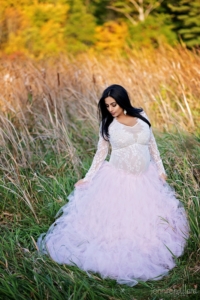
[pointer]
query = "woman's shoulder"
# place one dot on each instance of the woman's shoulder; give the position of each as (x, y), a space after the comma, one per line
(143, 113)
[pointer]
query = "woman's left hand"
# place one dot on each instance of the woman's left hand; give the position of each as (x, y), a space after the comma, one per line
(79, 182)
(163, 176)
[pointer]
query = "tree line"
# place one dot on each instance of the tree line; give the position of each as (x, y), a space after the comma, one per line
(44, 27)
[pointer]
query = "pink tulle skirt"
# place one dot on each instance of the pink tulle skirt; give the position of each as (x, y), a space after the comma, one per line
(121, 226)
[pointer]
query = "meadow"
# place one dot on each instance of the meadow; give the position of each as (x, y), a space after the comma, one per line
(48, 136)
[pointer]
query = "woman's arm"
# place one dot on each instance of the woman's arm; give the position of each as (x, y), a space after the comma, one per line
(155, 154)
(100, 156)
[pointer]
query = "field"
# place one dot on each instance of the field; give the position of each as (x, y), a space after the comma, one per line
(48, 136)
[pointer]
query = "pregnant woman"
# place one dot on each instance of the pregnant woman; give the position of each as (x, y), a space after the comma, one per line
(122, 220)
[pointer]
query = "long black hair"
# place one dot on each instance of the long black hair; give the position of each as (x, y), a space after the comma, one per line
(120, 95)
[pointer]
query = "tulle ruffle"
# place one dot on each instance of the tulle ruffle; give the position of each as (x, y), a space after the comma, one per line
(122, 226)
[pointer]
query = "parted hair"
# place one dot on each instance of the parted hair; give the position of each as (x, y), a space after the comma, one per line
(121, 96)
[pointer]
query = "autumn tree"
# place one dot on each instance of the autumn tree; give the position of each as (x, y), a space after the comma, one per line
(33, 27)
(135, 10)
(79, 28)
(187, 19)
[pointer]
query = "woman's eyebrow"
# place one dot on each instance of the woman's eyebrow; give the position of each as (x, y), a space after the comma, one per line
(111, 103)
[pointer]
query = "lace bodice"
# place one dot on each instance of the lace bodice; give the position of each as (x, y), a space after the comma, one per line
(133, 147)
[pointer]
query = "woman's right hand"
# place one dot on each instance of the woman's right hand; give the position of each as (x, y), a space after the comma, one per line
(163, 176)
(79, 182)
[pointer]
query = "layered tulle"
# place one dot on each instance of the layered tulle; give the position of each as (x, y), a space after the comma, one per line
(122, 226)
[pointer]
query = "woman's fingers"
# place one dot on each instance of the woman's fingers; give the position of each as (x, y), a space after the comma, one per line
(163, 176)
(79, 182)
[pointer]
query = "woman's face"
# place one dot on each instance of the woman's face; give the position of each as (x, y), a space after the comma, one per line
(113, 107)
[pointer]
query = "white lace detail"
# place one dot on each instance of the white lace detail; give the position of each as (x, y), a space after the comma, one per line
(155, 154)
(153, 149)
(100, 156)
(133, 147)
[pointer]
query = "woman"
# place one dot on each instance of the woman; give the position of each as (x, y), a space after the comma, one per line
(123, 220)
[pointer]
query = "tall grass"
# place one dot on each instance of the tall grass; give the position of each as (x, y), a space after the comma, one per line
(48, 135)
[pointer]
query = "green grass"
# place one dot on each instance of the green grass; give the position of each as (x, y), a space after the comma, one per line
(33, 190)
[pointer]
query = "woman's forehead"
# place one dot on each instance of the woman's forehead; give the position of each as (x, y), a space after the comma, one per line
(109, 100)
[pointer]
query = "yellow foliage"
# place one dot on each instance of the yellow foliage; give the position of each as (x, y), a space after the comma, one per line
(111, 36)
(15, 45)
(35, 28)
(52, 36)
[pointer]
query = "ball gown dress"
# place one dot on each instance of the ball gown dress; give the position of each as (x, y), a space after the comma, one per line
(124, 222)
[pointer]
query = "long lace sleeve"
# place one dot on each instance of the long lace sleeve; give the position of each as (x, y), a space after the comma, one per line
(155, 154)
(100, 156)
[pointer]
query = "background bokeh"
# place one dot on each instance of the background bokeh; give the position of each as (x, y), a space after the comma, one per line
(38, 28)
